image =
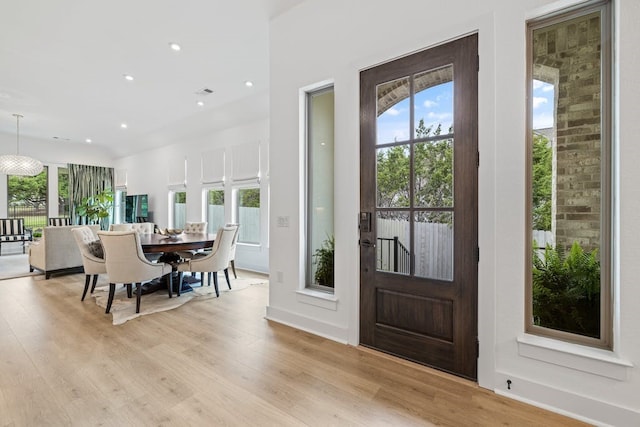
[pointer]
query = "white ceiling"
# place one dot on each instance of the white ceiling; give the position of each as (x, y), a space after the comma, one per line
(62, 64)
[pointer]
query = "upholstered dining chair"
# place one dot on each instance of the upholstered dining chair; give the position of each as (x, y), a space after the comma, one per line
(211, 262)
(192, 228)
(232, 253)
(140, 228)
(127, 264)
(90, 249)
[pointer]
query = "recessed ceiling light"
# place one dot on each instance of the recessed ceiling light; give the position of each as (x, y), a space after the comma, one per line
(175, 46)
(88, 141)
(123, 125)
(200, 103)
(248, 83)
(128, 77)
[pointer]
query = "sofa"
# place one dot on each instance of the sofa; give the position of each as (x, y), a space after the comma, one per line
(57, 251)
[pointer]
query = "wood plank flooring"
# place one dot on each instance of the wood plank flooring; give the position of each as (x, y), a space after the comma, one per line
(212, 362)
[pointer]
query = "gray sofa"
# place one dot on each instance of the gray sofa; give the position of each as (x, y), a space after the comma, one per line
(57, 251)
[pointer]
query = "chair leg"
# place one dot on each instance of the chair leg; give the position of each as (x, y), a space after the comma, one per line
(138, 295)
(215, 282)
(226, 276)
(95, 281)
(171, 285)
(86, 286)
(112, 291)
(180, 278)
(233, 267)
(208, 278)
(129, 290)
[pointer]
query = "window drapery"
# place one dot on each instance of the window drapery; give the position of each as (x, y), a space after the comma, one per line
(87, 181)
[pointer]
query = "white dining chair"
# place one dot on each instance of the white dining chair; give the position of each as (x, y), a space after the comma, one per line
(211, 262)
(232, 253)
(90, 250)
(126, 264)
(192, 228)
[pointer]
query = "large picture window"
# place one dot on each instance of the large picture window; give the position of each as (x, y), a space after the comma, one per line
(569, 151)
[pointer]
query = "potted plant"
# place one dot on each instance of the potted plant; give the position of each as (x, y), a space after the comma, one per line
(96, 208)
(323, 259)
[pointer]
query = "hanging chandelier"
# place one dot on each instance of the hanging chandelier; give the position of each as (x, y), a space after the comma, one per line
(11, 164)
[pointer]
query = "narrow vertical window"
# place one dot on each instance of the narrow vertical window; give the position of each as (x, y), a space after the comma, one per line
(214, 207)
(179, 208)
(248, 214)
(119, 206)
(569, 150)
(319, 189)
(64, 206)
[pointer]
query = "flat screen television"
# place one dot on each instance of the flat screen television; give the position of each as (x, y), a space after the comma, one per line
(136, 208)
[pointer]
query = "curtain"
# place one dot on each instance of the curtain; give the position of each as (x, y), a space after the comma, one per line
(86, 181)
(212, 166)
(245, 161)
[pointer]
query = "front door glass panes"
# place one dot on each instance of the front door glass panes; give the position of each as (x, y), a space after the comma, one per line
(433, 237)
(393, 123)
(414, 175)
(392, 176)
(393, 242)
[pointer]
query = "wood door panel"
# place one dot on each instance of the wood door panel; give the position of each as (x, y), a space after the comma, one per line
(414, 347)
(427, 316)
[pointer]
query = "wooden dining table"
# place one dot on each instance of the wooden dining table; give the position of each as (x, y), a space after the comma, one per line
(168, 246)
(160, 243)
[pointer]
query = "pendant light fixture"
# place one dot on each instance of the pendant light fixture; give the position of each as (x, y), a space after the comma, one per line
(16, 164)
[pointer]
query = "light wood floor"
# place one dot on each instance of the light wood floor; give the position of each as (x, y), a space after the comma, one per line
(212, 362)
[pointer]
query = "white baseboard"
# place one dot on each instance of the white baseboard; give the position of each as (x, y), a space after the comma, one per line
(325, 330)
(583, 408)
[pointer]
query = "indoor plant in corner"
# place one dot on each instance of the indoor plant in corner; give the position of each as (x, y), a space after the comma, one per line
(96, 208)
(324, 258)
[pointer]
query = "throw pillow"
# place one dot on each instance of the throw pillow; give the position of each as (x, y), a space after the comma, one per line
(95, 248)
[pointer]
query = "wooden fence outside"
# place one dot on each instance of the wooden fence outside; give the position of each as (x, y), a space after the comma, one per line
(433, 247)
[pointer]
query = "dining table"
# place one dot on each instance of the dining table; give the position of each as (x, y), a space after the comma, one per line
(162, 243)
(168, 246)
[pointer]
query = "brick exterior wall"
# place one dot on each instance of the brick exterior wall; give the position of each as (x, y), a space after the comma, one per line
(574, 49)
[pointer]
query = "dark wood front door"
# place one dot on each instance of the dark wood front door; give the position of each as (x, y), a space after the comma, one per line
(419, 207)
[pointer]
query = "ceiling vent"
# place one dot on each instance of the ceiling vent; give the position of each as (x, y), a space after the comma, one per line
(204, 91)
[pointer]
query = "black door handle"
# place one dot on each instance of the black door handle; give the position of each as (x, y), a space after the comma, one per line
(367, 243)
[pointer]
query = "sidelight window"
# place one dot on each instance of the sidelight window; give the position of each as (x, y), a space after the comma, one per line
(569, 169)
(319, 189)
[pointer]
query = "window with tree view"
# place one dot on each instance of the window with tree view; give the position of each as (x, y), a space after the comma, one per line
(248, 215)
(215, 209)
(27, 198)
(569, 150)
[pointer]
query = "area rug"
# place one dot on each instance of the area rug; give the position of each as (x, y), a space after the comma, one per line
(124, 309)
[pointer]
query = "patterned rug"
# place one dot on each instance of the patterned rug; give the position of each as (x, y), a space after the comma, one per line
(124, 309)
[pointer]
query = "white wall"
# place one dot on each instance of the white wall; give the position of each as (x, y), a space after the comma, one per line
(313, 43)
(148, 173)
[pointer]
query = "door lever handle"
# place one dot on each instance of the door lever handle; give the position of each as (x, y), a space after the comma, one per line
(367, 243)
